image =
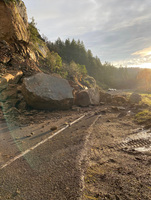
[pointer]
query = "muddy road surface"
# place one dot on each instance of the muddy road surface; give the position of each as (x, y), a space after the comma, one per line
(118, 160)
(49, 171)
(104, 155)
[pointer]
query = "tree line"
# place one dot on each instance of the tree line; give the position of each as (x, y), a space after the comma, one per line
(105, 74)
(73, 61)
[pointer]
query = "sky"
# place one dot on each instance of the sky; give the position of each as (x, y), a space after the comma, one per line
(117, 31)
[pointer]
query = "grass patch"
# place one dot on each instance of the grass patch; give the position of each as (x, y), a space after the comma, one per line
(146, 98)
(143, 116)
(90, 197)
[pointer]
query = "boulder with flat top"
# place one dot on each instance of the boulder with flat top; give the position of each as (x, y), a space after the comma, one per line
(43, 91)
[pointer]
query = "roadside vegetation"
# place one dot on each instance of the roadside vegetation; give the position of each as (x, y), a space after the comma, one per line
(13, 1)
(53, 62)
(144, 118)
(146, 99)
(71, 59)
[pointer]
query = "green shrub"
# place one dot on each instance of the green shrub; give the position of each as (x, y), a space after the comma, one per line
(143, 116)
(74, 71)
(54, 62)
(34, 34)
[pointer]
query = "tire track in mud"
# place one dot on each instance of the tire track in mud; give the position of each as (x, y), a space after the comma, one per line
(83, 154)
(113, 171)
(139, 142)
(134, 144)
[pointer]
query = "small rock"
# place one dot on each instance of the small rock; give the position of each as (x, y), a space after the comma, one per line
(75, 108)
(114, 108)
(121, 108)
(97, 113)
(122, 114)
(32, 133)
(112, 160)
(53, 128)
(102, 103)
(103, 112)
(17, 191)
(28, 135)
(117, 197)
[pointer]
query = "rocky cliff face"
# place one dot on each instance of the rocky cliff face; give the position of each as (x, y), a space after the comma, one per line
(14, 22)
(23, 52)
(15, 58)
(15, 51)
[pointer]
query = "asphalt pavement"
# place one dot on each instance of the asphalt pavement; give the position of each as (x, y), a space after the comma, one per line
(49, 172)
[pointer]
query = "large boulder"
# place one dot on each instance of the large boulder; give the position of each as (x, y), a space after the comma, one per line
(94, 94)
(43, 91)
(135, 98)
(82, 98)
(105, 97)
(119, 100)
(87, 97)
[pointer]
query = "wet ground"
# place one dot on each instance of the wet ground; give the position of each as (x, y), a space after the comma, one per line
(119, 160)
(105, 155)
(51, 170)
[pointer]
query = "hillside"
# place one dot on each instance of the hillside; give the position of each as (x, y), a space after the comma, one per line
(62, 136)
(24, 52)
(22, 47)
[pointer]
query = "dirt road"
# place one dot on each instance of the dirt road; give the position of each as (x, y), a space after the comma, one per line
(119, 160)
(103, 156)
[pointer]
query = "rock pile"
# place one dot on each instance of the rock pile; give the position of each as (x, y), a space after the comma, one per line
(9, 96)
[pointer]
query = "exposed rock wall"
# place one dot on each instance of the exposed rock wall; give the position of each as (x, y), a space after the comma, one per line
(14, 25)
(14, 38)
(22, 10)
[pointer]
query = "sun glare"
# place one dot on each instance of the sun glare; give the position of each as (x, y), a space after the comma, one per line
(148, 53)
(143, 65)
(143, 52)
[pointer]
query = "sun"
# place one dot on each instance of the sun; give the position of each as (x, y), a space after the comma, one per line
(145, 65)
